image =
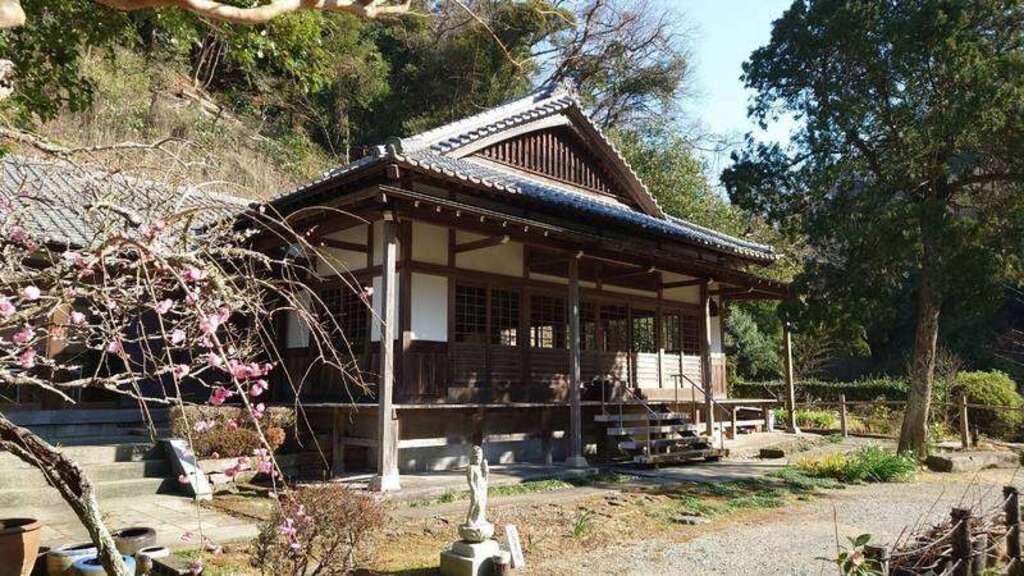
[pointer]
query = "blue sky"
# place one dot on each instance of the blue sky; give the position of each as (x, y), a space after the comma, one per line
(723, 33)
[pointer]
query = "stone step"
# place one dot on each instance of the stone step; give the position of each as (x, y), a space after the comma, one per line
(44, 495)
(641, 417)
(639, 444)
(634, 430)
(86, 452)
(676, 456)
(12, 478)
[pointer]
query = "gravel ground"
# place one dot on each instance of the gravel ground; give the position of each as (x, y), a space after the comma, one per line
(790, 541)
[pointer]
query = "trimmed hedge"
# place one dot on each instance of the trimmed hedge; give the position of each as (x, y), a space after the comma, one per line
(992, 389)
(819, 390)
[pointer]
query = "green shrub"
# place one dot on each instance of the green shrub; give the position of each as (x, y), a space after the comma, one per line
(869, 464)
(991, 389)
(817, 390)
(811, 419)
(229, 441)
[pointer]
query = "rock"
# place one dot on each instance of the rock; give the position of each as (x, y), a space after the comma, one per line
(972, 461)
(689, 519)
(772, 453)
(478, 533)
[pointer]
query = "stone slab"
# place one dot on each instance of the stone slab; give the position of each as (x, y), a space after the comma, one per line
(454, 565)
(972, 461)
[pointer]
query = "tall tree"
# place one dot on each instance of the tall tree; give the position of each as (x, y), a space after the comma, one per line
(906, 167)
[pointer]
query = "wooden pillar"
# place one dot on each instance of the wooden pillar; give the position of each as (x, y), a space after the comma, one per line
(576, 458)
(843, 418)
(706, 374)
(965, 434)
(1013, 530)
(961, 541)
(387, 422)
(787, 358)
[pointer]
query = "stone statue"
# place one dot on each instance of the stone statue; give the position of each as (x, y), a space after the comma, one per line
(477, 528)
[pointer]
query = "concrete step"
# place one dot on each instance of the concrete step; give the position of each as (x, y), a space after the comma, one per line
(641, 417)
(634, 430)
(43, 495)
(15, 478)
(639, 444)
(87, 452)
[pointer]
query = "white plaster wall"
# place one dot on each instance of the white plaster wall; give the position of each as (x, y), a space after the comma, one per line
(504, 259)
(378, 243)
(296, 331)
(688, 294)
(429, 307)
(716, 335)
(429, 243)
(343, 260)
(378, 306)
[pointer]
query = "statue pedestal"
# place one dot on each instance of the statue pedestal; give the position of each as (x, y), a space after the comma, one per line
(469, 558)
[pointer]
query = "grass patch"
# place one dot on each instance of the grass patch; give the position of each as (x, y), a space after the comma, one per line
(527, 487)
(869, 464)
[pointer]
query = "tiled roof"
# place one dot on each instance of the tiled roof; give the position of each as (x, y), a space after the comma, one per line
(437, 151)
(49, 198)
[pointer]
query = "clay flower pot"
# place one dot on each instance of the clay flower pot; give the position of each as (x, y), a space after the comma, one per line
(130, 540)
(60, 559)
(19, 545)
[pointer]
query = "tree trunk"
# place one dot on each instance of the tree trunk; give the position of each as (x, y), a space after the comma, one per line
(914, 433)
(67, 477)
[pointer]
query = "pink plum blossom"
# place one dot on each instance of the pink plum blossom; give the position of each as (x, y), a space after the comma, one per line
(24, 335)
(164, 306)
(257, 411)
(257, 388)
(210, 323)
(177, 336)
(265, 466)
(181, 370)
(214, 359)
(6, 308)
(219, 395)
(30, 293)
(194, 274)
(27, 359)
(77, 318)
(114, 347)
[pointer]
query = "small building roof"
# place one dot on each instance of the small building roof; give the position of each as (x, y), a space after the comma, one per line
(446, 151)
(50, 198)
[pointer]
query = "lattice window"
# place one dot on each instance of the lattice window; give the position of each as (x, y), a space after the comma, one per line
(351, 314)
(670, 341)
(643, 331)
(615, 325)
(548, 322)
(471, 314)
(588, 326)
(504, 317)
(690, 335)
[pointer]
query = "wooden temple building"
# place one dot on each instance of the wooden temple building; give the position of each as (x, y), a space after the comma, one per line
(528, 294)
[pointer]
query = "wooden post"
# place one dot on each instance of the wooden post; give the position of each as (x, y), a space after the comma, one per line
(961, 554)
(576, 458)
(843, 426)
(766, 413)
(979, 554)
(732, 431)
(387, 425)
(965, 433)
(1013, 529)
(705, 357)
(787, 357)
(879, 556)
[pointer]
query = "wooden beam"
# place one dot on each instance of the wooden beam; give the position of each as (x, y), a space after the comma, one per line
(556, 259)
(684, 283)
(641, 271)
(341, 245)
(482, 243)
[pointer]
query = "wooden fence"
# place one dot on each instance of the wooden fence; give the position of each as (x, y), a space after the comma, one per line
(962, 406)
(970, 545)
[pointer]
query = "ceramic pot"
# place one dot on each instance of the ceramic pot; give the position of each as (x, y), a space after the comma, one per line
(91, 566)
(144, 558)
(19, 545)
(130, 540)
(60, 559)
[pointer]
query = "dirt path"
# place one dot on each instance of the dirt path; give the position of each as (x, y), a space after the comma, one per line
(790, 540)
